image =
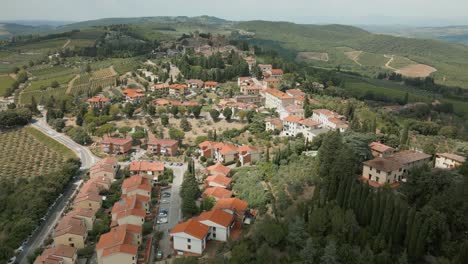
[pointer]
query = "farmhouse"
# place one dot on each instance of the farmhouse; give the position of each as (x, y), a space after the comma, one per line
(190, 236)
(58, 254)
(165, 147)
(119, 245)
(113, 145)
(98, 101)
(381, 150)
(448, 160)
(392, 169)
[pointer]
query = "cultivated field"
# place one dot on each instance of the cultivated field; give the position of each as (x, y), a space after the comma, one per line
(27, 152)
(416, 70)
(5, 83)
(90, 83)
(308, 56)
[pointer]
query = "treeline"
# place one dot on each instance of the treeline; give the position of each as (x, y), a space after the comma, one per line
(15, 117)
(24, 201)
(212, 68)
(346, 221)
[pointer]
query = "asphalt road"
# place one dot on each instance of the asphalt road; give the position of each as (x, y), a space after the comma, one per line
(87, 159)
(174, 207)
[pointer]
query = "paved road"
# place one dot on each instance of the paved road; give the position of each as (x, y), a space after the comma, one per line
(174, 206)
(55, 212)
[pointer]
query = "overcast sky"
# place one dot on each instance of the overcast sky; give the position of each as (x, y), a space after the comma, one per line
(420, 12)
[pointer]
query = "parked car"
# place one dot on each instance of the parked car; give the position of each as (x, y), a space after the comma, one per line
(159, 255)
(165, 201)
(162, 220)
(166, 194)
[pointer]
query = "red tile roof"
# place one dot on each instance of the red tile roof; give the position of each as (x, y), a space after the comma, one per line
(210, 83)
(191, 227)
(129, 203)
(217, 192)
(98, 99)
(217, 216)
(219, 179)
(276, 71)
(218, 167)
(292, 119)
(145, 165)
(277, 93)
(233, 204)
(120, 235)
(452, 156)
(125, 248)
(56, 254)
(116, 141)
(379, 147)
(70, 225)
(309, 123)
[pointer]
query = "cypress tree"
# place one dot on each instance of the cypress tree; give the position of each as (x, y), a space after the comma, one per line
(414, 236)
(409, 225)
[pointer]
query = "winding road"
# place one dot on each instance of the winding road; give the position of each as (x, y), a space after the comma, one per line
(56, 210)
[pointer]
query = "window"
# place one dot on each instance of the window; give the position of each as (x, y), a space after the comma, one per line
(214, 235)
(189, 247)
(214, 229)
(189, 240)
(378, 171)
(69, 239)
(370, 168)
(376, 179)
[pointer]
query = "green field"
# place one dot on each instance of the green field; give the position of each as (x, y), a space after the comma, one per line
(5, 83)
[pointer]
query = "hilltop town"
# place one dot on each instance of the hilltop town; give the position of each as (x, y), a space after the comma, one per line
(211, 149)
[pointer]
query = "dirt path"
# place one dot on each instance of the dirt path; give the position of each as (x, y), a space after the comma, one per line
(354, 56)
(173, 72)
(66, 43)
(113, 70)
(387, 65)
(70, 84)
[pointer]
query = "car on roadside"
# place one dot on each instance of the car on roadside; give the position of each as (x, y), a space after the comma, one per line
(159, 255)
(162, 220)
(165, 201)
(166, 194)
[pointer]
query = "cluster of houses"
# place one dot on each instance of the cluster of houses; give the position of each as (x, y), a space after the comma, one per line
(224, 221)
(228, 153)
(155, 146)
(121, 243)
(390, 167)
(71, 232)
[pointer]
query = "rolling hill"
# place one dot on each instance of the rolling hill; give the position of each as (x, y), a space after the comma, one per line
(450, 60)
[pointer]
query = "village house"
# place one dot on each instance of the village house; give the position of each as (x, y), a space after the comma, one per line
(190, 236)
(292, 110)
(220, 222)
(273, 123)
(251, 89)
(165, 147)
(88, 197)
(98, 102)
(448, 161)
(270, 82)
(211, 85)
(130, 210)
(225, 152)
(60, 254)
(71, 232)
(276, 73)
(265, 67)
(104, 168)
(133, 95)
(330, 119)
(119, 245)
(218, 181)
(153, 168)
(194, 83)
(251, 61)
(114, 145)
(88, 216)
(137, 184)
(162, 88)
(218, 168)
(249, 154)
(217, 193)
(296, 93)
(177, 89)
(392, 169)
(381, 150)
(233, 206)
(276, 99)
(291, 126)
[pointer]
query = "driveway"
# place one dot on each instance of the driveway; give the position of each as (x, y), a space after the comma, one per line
(174, 207)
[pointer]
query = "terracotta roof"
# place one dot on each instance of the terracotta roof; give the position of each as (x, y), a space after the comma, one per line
(56, 253)
(217, 216)
(89, 213)
(217, 192)
(98, 99)
(409, 156)
(276, 71)
(233, 204)
(247, 148)
(161, 101)
(116, 141)
(294, 109)
(295, 92)
(210, 83)
(309, 123)
(218, 167)
(207, 143)
(177, 86)
(379, 147)
(452, 156)
(125, 248)
(219, 179)
(325, 112)
(136, 180)
(277, 93)
(88, 197)
(118, 235)
(70, 225)
(292, 119)
(133, 93)
(264, 65)
(145, 165)
(163, 142)
(129, 203)
(274, 120)
(383, 164)
(225, 148)
(191, 227)
(161, 86)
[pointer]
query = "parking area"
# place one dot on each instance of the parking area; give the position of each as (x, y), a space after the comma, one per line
(169, 207)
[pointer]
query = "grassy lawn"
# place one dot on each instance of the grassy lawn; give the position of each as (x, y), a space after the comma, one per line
(5, 83)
